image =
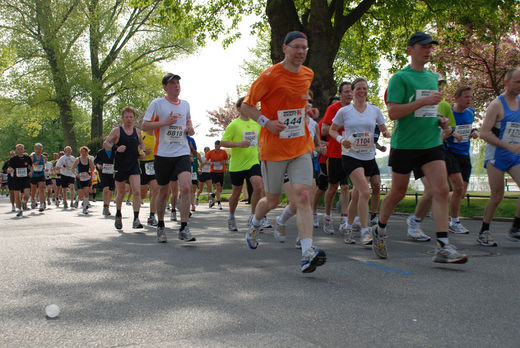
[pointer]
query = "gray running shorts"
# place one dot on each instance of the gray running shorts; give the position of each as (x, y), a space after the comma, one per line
(299, 170)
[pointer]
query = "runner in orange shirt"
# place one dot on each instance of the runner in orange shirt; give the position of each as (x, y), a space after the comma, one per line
(285, 142)
(218, 159)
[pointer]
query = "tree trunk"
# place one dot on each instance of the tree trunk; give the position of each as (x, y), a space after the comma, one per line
(96, 93)
(54, 55)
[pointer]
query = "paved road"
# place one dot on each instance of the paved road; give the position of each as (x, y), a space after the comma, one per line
(124, 289)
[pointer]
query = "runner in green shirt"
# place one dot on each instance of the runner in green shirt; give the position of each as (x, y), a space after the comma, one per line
(241, 135)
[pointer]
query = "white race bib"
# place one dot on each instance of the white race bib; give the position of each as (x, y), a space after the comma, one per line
(21, 172)
(38, 167)
(512, 133)
(108, 168)
(175, 135)
(84, 176)
(426, 110)
(193, 175)
(465, 131)
(361, 142)
(149, 168)
(252, 137)
(294, 120)
(217, 165)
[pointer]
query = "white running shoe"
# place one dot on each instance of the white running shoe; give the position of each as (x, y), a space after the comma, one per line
(347, 234)
(449, 254)
(457, 228)
(484, 238)
(415, 232)
(373, 222)
(279, 231)
(232, 226)
(186, 235)
(173, 216)
(264, 223)
(356, 226)
(316, 222)
(365, 237)
(378, 241)
(328, 226)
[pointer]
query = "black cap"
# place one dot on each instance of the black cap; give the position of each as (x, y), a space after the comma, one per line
(168, 77)
(294, 35)
(421, 38)
(217, 142)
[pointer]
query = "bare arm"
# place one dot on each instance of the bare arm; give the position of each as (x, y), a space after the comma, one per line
(334, 133)
(75, 166)
(111, 139)
(274, 126)
(494, 113)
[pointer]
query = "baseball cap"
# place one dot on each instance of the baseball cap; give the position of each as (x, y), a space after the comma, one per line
(168, 77)
(217, 142)
(294, 35)
(421, 38)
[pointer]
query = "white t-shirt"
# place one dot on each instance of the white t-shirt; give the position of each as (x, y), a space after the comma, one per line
(65, 164)
(359, 130)
(171, 140)
(48, 169)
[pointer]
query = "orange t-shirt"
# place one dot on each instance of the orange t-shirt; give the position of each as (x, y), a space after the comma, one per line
(214, 156)
(283, 95)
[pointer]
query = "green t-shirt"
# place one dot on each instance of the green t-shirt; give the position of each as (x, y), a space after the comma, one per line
(446, 111)
(420, 129)
(239, 130)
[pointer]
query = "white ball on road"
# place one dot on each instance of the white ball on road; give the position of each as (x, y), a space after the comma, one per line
(52, 311)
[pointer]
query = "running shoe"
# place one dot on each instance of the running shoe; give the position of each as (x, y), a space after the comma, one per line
(484, 238)
(173, 216)
(328, 227)
(106, 211)
(75, 204)
(161, 235)
(457, 228)
(212, 200)
(311, 259)
(219, 206)
(347, 234)
(265, 223)
(232, 226)
(449, 254)
(85, 210)
(192, 207)
(137, 223)
(197, 201)
(378, 242)
(365, 237)
(373, 222)
(298, 244)
(251, 236)
(48, 201)
(514, 234)
(316, 222)
(42, 208)
(186, 235)
(57, 202)
(356, 226)
(415, 232)
(118, 223)
(13, 209)
(33, 205)
(128, 202)
(24, 206)
(279, 231)
(65, 205)
(152, 221)
(20, 212)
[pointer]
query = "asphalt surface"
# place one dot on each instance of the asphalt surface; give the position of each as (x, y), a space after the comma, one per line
(124, 289)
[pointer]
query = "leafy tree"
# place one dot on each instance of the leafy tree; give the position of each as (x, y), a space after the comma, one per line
(222, 117)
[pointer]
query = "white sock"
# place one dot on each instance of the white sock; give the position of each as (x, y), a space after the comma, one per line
(255, 222)
(454, 220)
(306, 244)
(286, 215)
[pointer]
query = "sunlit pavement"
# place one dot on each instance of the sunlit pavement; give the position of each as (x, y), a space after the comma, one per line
(123, 288)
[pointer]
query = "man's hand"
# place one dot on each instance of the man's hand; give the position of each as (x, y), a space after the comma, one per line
(457, 136)
(474, 134)
(275, 126)
(433, 99)
(244, 144)
(121, 148)
(171, 119)
(190, 130)
(444, 123)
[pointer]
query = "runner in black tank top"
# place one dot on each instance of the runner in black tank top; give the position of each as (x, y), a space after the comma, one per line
(125, 140)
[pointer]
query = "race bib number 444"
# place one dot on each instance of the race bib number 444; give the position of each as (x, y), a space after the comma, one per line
(426, 110)
(512, 133)
(294, 120)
